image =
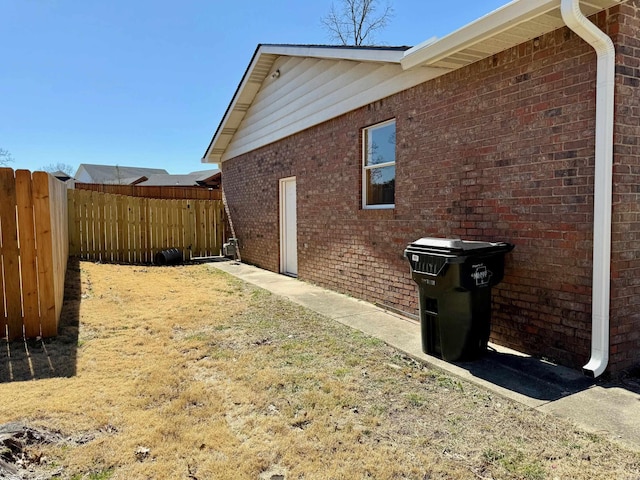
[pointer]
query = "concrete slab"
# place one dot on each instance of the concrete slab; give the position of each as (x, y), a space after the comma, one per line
(608, 410)
(325, 302)
(549, 388)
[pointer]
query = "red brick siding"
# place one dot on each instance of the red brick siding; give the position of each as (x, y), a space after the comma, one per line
(500, 150)
(625, 266)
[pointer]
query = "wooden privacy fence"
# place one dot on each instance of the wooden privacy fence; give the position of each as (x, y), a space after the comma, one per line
(154, 191)
(118, 228)
(34, 252)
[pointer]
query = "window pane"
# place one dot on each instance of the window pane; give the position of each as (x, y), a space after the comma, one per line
(381, 144)
(381, 185)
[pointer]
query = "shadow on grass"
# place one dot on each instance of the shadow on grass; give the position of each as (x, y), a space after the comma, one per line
(36, 359)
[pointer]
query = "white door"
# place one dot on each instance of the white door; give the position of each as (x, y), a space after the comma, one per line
(288, 227)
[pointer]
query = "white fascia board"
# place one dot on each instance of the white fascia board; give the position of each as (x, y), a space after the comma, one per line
(209, 157)
(499, 20)
(359, 54)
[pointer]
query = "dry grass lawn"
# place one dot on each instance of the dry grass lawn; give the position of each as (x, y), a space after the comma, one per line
(186, 373)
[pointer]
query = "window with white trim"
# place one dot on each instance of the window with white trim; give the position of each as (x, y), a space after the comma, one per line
(379, 165)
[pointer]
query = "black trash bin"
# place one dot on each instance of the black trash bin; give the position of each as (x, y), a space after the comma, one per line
(454, 279)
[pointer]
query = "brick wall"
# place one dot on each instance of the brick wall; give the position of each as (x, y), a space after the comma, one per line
(625, 266)
(500, 150)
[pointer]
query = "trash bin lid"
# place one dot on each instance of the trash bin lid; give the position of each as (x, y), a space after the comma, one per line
(453, 243)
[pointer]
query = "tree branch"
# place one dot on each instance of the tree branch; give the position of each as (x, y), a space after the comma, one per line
(356, 21)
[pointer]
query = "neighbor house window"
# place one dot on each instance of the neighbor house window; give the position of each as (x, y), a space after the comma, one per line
(379, 165)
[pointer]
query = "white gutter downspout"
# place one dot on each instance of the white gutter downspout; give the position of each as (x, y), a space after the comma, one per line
(602, 201)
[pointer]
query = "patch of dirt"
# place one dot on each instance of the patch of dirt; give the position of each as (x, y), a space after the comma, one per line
(21, 456)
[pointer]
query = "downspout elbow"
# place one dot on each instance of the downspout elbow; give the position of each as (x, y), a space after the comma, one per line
(603, 183)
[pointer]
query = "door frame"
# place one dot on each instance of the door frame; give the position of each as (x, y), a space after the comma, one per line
(283, 225)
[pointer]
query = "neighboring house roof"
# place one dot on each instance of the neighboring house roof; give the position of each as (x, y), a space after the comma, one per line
(62, 176)
(126, 181)
(113, 173)
(288, 88)
(192, 179)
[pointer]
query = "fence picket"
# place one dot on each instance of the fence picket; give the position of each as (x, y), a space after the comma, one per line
(74, 227)
(180, 227)
(219, 227)
(122, 230)
(144, 224)
(27, 241)
(86, 225)
(110, 232)
(10, 254)
(188, 229)
(133, 209)
(100, 227)
(92, 233)
(164, 226)
(44, 240)
(154, 218)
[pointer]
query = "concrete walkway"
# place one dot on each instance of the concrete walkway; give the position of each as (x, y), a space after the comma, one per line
(594, 406)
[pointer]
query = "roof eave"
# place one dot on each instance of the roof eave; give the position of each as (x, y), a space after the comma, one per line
(213, 155)
(499, 20)
(497, 31)
(494, 23)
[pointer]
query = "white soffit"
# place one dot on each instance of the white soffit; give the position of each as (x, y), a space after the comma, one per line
(506, 27)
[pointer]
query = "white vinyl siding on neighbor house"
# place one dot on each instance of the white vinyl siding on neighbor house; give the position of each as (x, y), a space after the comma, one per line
(379, 165)
(82, 176)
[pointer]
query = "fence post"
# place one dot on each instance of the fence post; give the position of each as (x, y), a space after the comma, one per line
(59, 219)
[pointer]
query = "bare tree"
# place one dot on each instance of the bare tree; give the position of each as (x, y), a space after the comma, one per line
(355, 22)
(5, 157)
(58, 167)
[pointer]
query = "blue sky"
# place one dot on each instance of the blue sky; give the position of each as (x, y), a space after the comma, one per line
(145, 83)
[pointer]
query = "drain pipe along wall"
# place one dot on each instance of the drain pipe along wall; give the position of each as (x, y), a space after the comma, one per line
(605, 86)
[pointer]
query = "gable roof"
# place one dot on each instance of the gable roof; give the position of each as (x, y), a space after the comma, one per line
(278, 72)
(192, 179)
(60, 175)
(125, 181)
(116, 173)
(244, 128)
(261, 65)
